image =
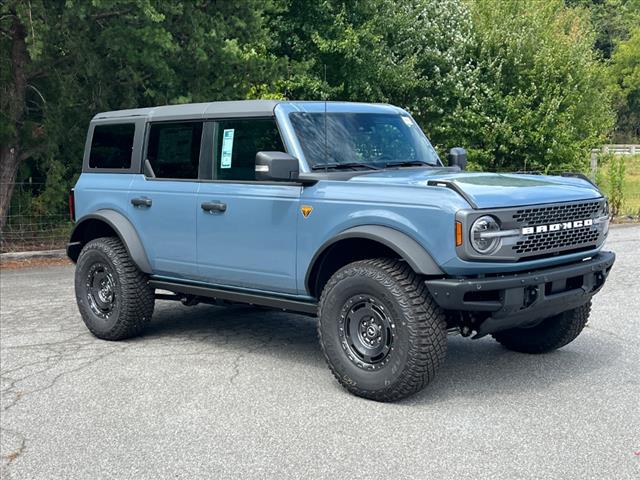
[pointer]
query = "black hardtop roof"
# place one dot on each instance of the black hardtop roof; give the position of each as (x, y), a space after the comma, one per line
(230, 109)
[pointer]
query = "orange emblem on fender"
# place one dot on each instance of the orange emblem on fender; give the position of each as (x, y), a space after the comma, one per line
(306, 210)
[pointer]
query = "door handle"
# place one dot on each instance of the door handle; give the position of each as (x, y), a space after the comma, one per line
(214, 207)
(141, 202)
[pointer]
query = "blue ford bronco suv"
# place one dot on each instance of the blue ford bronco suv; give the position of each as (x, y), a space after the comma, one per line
(340, 210)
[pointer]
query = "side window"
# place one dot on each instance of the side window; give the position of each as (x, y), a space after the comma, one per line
(236, 143)
(174, 150)
(111, 146)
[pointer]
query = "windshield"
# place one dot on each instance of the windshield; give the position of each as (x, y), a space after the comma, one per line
(377, 139)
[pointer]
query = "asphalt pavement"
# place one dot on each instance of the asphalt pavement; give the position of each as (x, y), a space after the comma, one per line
(217, 393)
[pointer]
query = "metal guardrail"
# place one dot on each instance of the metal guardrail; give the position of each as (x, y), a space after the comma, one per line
(618, 149)
(611, 149)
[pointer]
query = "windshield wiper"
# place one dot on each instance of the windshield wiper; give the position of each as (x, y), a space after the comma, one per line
(340, 166)
(408, 163)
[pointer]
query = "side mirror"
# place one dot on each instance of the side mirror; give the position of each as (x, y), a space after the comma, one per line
(278, 166)
(457, 157)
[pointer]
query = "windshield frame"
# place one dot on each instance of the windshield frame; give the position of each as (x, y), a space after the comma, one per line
(292, 142)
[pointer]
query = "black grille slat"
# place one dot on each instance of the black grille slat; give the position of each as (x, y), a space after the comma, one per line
(556, 213)
(542, 242)
(553, 241)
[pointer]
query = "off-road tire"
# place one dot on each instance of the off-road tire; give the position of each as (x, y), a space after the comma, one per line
(550, 334)
(419, 337)
(133, 298)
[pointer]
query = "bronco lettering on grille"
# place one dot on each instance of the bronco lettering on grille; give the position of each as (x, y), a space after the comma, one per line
(555, 227)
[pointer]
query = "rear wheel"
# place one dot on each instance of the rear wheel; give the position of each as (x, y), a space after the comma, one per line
(113, 296)
(381, 333)
(550, 334)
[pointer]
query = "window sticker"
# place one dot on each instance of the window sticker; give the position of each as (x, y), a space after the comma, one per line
(407, 121)
(227, 148)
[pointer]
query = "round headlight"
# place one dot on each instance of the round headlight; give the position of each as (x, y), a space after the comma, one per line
(481, 235)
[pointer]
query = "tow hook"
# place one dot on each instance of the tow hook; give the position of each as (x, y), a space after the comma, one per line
(467, 331)
(530, 295)
(599, 277)
(190, 300)
(463, 323)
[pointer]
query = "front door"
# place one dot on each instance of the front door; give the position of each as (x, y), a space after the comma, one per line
(246, 230)
(162, 203)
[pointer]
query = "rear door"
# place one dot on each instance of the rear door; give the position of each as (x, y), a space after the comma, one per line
(246, 229)
(162, 203)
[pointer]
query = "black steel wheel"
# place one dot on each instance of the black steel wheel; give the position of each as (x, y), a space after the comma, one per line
(382, 334)
(100, 285)
(113, 296)
(366, 334)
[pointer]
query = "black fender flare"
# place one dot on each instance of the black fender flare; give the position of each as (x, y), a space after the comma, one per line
(120, 225)
(406, 247)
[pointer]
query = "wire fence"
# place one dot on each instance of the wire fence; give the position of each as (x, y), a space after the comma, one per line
(29, 227)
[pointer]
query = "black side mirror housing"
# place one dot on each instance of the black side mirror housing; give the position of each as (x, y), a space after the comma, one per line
(276, 166)
(457, 157)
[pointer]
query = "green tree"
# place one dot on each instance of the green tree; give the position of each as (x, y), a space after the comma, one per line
(64, 61)
(625, 69)
(517, 83)
(413, 54)
(614, 22)
(545, 95)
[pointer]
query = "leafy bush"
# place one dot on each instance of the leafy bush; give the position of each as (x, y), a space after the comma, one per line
(616, 173)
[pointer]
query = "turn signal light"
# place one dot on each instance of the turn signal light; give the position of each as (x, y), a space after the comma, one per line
(458, 234)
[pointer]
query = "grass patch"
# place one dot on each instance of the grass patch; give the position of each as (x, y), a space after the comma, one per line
(631, 184)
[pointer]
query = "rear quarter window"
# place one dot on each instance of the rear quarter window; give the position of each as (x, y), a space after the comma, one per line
(111, 146)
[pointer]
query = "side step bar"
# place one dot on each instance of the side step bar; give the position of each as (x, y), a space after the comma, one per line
(279, 303)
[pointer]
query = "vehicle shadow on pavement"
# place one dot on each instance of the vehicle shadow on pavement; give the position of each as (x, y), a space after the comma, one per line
(483, 368)
(258, 331)
(473, 368)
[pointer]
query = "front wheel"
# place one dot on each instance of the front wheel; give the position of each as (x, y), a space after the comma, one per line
(550, 334)
(382, 334)
(113, 296)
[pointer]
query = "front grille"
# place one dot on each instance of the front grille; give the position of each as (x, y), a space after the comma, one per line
(540, 231)
(555, 241)
(556, 213)
(559, 240)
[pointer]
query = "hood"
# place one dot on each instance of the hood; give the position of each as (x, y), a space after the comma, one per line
(492, 190)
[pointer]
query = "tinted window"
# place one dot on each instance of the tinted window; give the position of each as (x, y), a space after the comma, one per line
(174, 149)
(111, 146)
(236, 143)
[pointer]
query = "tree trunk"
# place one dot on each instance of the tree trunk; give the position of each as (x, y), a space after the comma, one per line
(14, 105)
(8, 170)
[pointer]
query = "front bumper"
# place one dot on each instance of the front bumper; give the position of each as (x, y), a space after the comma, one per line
(519, 299)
